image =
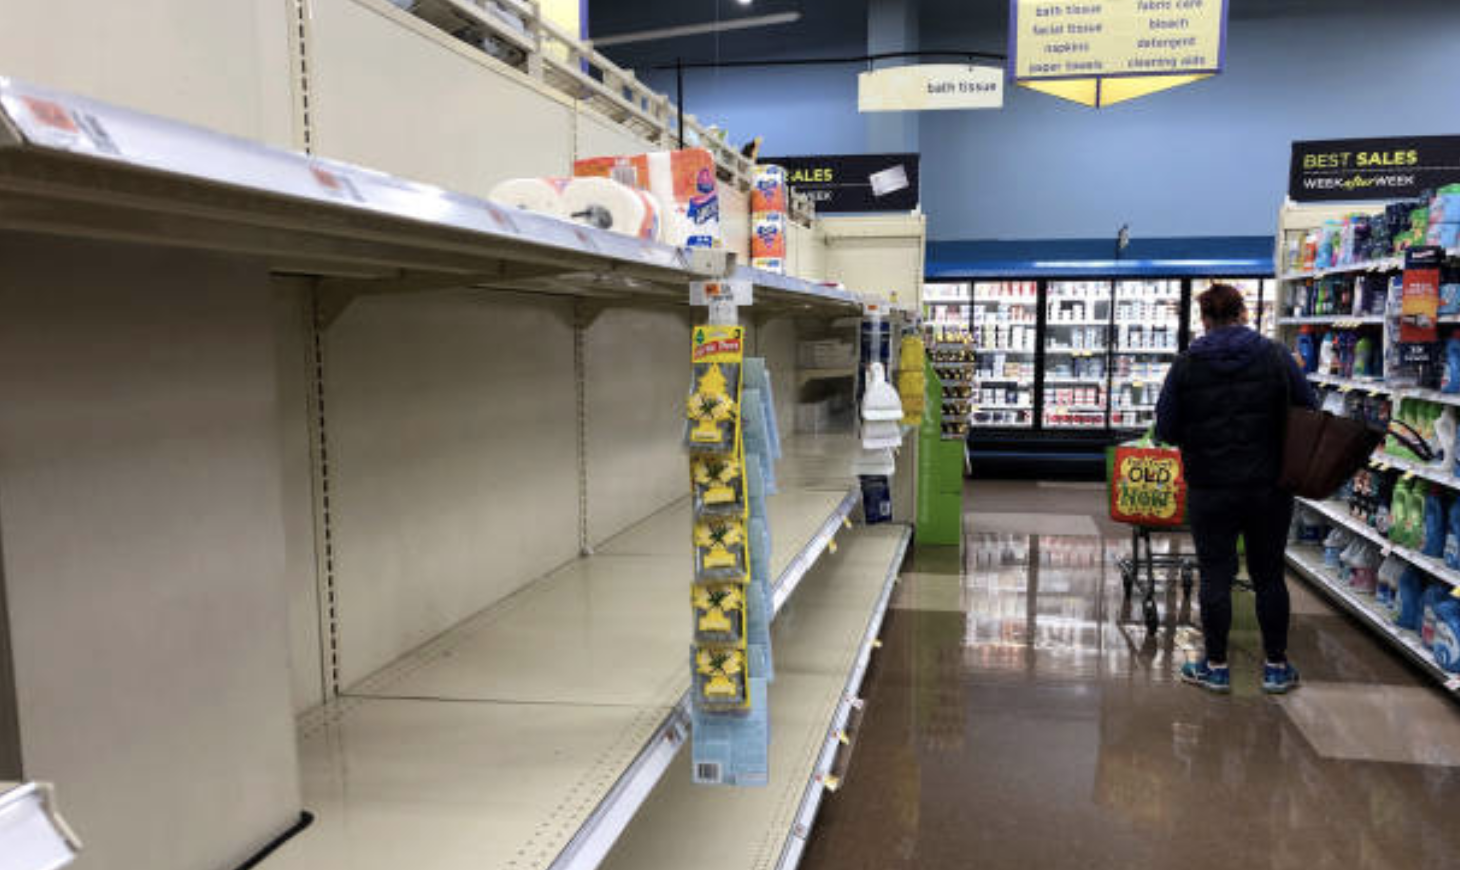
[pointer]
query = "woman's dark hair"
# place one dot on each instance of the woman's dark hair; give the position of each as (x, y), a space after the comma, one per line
(1222, 305)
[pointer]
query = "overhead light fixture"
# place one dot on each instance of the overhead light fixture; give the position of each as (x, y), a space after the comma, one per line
(32, 834)
(699, 29)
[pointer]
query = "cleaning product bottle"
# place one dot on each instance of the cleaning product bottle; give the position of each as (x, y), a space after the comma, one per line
(1308, 349)
(1413, 530)
(1364, 358)
(1347, 559)
(1434, 523)
(1452, 536)
(1366, 570)
(1409, 603)
(1446, 648)
(1333, 546)
(1434, 594)
(1444, 440)
(1450, 377)
(1398, 508)
(1388, 580)
(1327, 353)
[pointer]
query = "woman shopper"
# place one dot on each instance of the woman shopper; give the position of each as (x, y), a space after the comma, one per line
(1225, 404)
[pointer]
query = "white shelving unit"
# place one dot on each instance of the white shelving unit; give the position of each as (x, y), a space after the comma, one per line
(815, 695)
(1308, 562)
(529, 731)
(1339, 320)
(33, 836)
(1337, 514)
(617, 689)
(1379, 388)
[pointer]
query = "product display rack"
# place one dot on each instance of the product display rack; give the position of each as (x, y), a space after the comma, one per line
(814, 705)
(582, 747)
(129, 176)
(1307, 560)
(597, 794)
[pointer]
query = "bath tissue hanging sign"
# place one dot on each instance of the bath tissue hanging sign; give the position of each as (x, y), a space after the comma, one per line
(930, 87)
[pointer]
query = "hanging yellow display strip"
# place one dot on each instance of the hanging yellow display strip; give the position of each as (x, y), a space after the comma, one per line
(1107, 92)
(1102, 52)
(720, 663)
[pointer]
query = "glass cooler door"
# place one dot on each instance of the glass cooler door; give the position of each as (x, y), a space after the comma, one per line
(1256, 292)
(1076, 344)
(1147, 339)
(1005, 323)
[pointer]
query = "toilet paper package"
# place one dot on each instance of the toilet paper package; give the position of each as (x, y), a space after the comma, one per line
(770, 193)
(541, 195)
(683, 183)
(768, 237)
(608, 205)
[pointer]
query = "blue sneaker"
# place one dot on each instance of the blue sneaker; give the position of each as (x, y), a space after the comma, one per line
(1279, 679)
(1212, 679)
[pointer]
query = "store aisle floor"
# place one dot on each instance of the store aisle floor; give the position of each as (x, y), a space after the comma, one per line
(1019, 717)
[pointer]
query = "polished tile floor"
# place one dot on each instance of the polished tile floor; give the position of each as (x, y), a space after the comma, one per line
(1020, 716)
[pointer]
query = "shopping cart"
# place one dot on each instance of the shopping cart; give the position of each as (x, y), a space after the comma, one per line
(1147, 488)
(1143, 569)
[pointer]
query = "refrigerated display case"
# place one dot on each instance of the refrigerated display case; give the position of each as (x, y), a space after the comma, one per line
(1005, 325)
(1076, 347)
(1147, 340)
(947, 306)
(1258, 293)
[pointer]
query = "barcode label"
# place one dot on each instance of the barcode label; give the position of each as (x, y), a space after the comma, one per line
(707, 772)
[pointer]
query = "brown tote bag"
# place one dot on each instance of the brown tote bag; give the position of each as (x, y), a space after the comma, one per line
(1322, 450)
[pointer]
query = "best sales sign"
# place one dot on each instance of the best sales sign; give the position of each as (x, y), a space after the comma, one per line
(1355, 169)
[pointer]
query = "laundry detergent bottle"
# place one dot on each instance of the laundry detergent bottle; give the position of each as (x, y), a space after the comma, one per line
(1364, 358)
(1308, 350)
(1450, 378)
(1409, 609)
(1446, 643)
(1328, 353)
(1434, 523)
(1452, 536)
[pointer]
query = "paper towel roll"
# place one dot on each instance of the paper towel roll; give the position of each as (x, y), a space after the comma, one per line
(768, 236)
(608, 205)
(541, 195)
(769, 193)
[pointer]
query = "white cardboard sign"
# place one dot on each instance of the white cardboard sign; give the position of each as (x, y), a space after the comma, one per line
(930, 87)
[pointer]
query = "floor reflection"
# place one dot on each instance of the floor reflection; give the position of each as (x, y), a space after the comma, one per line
(1030, 719)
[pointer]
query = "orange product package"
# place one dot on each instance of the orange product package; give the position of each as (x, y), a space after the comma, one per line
(684, 182)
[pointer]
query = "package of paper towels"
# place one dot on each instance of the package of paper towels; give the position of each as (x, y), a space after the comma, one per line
(770, 192)
(608, 205)
(684, 184)
(541, 195)
(768, 242)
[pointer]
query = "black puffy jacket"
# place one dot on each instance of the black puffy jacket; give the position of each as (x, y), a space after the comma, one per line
(1224, 404)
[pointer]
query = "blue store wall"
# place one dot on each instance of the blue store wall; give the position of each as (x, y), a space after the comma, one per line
(1201, 161)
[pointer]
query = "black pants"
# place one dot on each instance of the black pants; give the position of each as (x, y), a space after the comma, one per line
(1262, 518)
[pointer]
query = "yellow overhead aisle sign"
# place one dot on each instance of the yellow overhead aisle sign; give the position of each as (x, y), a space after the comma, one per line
(1101, 52)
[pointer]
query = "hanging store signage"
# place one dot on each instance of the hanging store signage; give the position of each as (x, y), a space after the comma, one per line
(1357, 169)
(1101, 52)
(930, 87)
(854, 182)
